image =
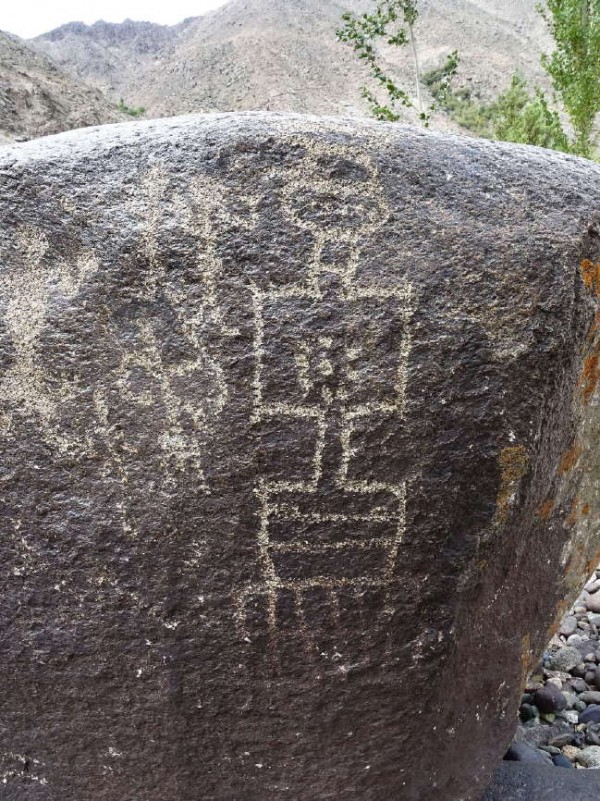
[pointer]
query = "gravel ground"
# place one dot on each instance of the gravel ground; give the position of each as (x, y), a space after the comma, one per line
(560, 709)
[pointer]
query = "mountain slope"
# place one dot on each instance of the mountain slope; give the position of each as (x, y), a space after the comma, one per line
(107, 54)
(283, 54)
(36, 98)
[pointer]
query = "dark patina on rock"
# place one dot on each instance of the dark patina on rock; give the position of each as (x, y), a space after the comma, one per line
(519, 782)
(299, 425)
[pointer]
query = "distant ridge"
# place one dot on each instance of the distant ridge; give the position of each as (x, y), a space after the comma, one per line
(283, 54)
(108, 54)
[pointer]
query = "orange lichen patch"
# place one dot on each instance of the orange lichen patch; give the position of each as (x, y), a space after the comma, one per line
(585, 510)
(590, 375)
(545, 509)
(514, 463)
(569, 460)
(591, 276)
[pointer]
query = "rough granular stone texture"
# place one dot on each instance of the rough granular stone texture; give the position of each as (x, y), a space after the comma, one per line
(299, 439)
(515, 781)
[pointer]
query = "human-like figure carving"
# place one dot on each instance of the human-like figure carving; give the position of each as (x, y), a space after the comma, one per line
(325, 524)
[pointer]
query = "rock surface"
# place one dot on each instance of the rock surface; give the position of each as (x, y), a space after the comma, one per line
(518, 782)
(565, 699)
(283, 400)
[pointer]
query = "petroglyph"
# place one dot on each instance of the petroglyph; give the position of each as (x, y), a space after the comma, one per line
(341, 386)
(181, 447)
(32, 284)
(144, 377)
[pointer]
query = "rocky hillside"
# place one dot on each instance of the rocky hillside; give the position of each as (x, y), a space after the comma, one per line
(283, 54)
(37, 98)
(108, 54)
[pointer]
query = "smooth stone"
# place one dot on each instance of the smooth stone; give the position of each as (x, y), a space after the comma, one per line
(582, 643)
(561, 761)
(562, 739)
(591, 697)
(592, 737)
(523, 752)
(579, 685)
(566, 659)
(536, 734)
(568, 626)
(528, 712)
(592, 602)
(549, 749)
(592, 586)
(590, 715)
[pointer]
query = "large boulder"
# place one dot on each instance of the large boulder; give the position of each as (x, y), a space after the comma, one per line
(299, 431)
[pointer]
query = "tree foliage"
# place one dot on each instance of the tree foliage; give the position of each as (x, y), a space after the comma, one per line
(574, 66)
(518, 116)
(462, 105)
(392, 23)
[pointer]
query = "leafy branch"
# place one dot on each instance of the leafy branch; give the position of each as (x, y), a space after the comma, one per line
(574, 66)
(392, 22)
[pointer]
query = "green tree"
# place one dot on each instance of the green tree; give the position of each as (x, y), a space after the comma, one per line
(574, 66)
(393, 23)
(518, 116)
(462, 105)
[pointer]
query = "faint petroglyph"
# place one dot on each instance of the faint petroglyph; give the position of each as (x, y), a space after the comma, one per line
(153, 187)
(209, 215)
(183, 421)
(116, 467)
(355, 549)
(32, 284)
(200, 211)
